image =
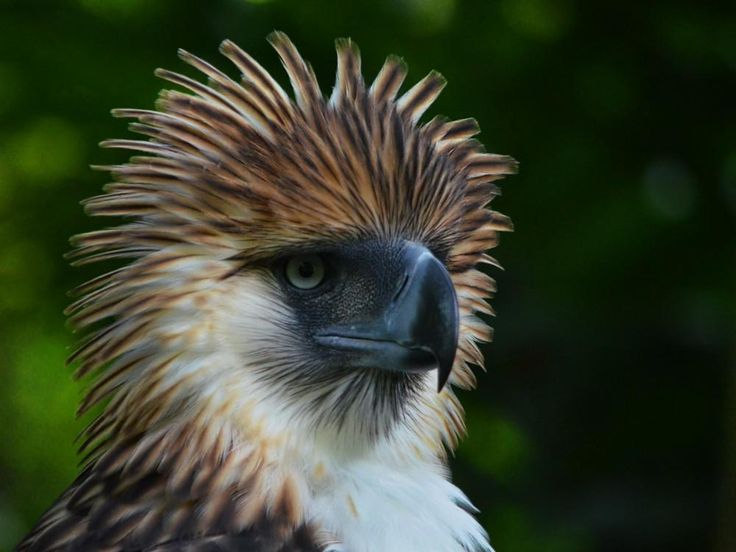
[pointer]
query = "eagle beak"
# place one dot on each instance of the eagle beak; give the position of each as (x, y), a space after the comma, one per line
(416, 332)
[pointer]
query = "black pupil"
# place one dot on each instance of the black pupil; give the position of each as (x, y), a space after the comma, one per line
(305, 269)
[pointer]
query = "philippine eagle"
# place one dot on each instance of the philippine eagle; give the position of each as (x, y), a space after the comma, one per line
(275, 362)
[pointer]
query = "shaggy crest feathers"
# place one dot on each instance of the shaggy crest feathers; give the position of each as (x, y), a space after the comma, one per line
(233, 172)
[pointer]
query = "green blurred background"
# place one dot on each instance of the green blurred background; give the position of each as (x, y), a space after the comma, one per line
(607, 418)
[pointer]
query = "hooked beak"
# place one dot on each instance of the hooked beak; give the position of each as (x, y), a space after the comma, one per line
(416, 332)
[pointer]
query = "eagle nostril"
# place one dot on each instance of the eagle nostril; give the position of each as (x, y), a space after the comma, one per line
(401, 288)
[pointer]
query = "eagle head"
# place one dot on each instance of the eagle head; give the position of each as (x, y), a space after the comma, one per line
(302, 284)
(312, 260)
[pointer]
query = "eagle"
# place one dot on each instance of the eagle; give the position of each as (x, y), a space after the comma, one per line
(297, 292)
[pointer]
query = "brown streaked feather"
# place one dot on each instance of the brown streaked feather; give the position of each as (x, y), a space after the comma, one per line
(420, 96)
(388, 81)
(131, 500)
(255, 75)
(349, 86)
(306, 89)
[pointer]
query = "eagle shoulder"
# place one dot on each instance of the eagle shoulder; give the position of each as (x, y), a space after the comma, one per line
(136, 497)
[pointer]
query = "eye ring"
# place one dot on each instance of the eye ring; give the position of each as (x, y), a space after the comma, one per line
(305, 272)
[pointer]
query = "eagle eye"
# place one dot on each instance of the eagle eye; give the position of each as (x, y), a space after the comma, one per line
(305, 271)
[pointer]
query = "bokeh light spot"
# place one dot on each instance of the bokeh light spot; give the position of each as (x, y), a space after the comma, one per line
(47, 150)
(24, 273)
(495, 445)
(429, 16)
(119, 8)
(539, 19)
(670, 189)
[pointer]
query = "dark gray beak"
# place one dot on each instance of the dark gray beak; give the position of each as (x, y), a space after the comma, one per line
(417, 331)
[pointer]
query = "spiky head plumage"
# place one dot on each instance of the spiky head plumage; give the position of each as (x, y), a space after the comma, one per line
(235, 171)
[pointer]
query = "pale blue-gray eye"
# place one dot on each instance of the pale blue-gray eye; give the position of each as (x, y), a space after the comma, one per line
(305, 271)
